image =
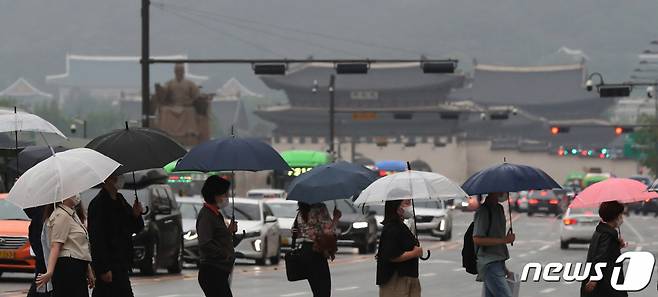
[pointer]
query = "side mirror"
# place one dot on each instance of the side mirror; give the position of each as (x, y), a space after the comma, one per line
(271, 219)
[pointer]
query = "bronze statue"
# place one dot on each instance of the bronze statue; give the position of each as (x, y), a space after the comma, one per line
(182, 110)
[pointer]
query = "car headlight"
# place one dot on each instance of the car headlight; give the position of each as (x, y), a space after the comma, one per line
(257, 245)
(442, 225)
(32, 254)
(464, 203)
(190, 235)
(360, 225)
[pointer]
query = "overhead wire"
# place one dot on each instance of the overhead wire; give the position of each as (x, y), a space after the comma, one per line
(291, 29)
(224, 32)
(268, 32)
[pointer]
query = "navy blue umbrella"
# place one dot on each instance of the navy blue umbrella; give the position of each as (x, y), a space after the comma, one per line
(232, 154)
(340, 180)
(508, 177)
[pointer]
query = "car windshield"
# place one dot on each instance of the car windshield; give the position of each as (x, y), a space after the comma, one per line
(243, 211)
(188, 210)
(283, 210)
(584, 211)
(9, 211)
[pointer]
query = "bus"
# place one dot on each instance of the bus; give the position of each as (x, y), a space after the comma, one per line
(300, 161)
(188, 183)
(390, 166)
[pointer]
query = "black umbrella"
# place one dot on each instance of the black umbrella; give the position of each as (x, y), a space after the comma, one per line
(232, 154)
(507, 177)
(137, 149)
(32, 155)
(340, 180)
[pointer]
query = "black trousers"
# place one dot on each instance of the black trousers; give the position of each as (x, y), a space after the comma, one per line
(214, 281)
(119, 287)
(70, 278)
(319, 277)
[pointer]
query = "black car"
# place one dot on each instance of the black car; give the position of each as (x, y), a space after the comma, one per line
(160, 244)
(356, 228)
(545, 201)
(643, 207)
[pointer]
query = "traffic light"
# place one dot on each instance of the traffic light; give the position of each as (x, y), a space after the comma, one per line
(619, 130)
(555, 130)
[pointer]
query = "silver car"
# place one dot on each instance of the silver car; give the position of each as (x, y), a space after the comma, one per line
(578, 225)
(285, 211)
(432, 217)
(259, 230)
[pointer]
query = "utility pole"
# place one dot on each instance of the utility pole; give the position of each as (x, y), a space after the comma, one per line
(145, 61)
(332, 112)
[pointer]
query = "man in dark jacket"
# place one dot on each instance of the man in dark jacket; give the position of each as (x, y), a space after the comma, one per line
(112, 222)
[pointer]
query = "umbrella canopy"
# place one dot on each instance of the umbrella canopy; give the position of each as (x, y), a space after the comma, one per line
(508, 177)
(32, 155)
(138, 148)
(624, 190)
(333, 181)
(26, 122)
(61, 176)
(416, 185)
(232, 154)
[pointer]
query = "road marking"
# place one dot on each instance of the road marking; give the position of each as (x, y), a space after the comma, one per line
(173, 295)
(639, 236)
(459, 269)
(543, 248)
(347, 289)
(638, 248)
(428, 274)
(547, 290)
(523, 255)
(293, 294)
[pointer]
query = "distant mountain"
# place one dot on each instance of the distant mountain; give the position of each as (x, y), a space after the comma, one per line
(36, 34)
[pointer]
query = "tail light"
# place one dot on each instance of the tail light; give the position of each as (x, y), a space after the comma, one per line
(554, 201)
(543, 193)
(570, 221)
(533, 201)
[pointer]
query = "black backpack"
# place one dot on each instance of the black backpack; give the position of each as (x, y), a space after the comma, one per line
(469, 252)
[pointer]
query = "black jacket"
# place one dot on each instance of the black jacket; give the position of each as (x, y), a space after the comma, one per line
(396, 239)
(34, 234)
(604, 248)
(215, 241)
(111, 226)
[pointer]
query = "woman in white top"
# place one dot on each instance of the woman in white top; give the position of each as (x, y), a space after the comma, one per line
(69, 257)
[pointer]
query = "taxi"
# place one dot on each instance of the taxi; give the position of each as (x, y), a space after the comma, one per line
(15, 252)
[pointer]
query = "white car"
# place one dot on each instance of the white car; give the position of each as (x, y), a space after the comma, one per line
(578, 225)
(258, 228)
(266, 193)
(285, 211)
(432, 217)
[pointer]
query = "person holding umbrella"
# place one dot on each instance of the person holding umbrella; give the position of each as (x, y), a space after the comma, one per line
(605, 247)
(112, 222)
(217, 255)
(69, 256)
(491, 237)
(316, 230)
(398, 254)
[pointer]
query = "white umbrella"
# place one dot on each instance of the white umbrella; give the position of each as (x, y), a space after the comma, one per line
(415, 185)
(61, 176)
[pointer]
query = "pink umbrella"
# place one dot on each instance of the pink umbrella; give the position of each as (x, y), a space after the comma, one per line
(623, 190)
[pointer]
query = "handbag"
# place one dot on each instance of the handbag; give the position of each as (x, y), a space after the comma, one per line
(296, 269)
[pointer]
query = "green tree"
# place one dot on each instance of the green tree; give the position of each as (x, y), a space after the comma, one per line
(646, 142)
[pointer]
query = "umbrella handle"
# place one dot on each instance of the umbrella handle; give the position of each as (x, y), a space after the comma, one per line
(429, 254)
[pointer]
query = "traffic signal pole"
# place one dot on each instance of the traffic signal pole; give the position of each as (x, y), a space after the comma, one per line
(145, 63)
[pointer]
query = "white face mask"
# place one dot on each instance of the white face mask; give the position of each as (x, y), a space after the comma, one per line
(76, 200)
(408, 212)
(223, 203)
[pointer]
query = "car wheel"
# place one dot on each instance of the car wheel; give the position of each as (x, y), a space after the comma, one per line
(564, 245)
(448, 236)
(372, 247)
(274, 260)
(151, 266)
(530, 214)
(263, 260)
(177, 266)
